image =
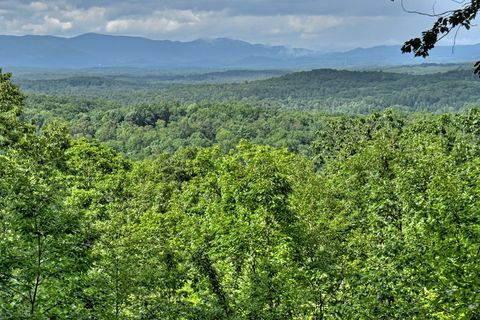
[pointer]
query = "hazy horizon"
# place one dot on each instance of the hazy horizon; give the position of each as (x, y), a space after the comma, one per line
(316, 25)
(201, 38)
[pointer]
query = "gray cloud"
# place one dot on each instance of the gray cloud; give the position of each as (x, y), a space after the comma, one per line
(318, 24)
(273, 7)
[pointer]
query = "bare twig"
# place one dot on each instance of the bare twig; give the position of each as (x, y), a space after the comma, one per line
(432, 15)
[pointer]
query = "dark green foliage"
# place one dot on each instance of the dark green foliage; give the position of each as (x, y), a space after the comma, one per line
(11, 107)
(323, 90)
(147, 130)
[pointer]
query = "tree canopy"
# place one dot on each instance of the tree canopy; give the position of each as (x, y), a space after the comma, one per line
(378, 221)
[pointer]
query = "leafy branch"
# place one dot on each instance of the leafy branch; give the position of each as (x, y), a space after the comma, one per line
(447, 22)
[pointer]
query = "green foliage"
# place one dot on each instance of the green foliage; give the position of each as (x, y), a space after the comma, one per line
(11, 107)
(241, 232)
(325, 90)
(41, 253)
(148, 130)
(404, 201)
(362, 217)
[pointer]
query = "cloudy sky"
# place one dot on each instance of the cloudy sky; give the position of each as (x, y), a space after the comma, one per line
(316, 24)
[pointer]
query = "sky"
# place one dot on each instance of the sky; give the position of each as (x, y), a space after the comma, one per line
(324, 25)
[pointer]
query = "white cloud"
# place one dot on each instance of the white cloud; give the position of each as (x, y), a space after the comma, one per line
(161, 25)
(52, 18)
(314, 24)
(38, 6)
(49, 24)
(52, 23)
(159, 22)
(93, 14)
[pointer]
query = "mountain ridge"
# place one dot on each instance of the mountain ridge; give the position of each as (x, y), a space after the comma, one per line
(101, 50)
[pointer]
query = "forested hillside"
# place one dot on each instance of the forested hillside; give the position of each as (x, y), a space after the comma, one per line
(142, 117)
(321, 90)
(220, 210)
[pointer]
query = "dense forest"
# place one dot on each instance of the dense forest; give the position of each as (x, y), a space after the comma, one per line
(141, 116)
(324, 90)
(176, 209)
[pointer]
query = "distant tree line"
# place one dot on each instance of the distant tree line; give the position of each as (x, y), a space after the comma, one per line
(323, 90)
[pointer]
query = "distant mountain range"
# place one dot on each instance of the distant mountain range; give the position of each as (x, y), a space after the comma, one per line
(95, 50)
